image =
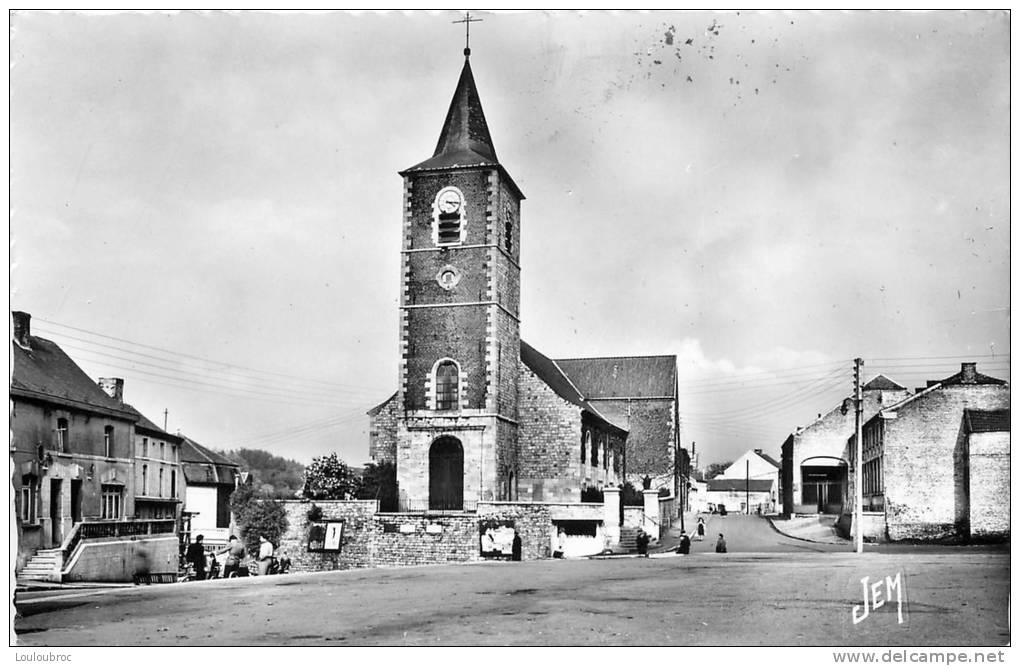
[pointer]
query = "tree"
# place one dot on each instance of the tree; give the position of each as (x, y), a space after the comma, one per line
(379, 482)
(274, 476)
(328, 477)
(715, 469)
(257, 516)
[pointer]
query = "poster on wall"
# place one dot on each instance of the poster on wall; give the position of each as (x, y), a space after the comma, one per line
(497, 539)
(326, 536)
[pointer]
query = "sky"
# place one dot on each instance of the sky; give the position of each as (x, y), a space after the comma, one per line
(207, 204)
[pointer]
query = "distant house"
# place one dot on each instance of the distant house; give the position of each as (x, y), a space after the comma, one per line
(814, 469)
(209, 479)
(757, 466)
(936, 464)
(74, 472)
(741, 495)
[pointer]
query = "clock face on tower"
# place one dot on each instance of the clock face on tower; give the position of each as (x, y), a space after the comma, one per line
(449, 201)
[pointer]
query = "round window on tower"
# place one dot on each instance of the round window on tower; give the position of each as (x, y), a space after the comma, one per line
(448, 277)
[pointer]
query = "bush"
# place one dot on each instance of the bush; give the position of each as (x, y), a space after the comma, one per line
(379, 482)
(314, 513)
(631, 496)
(257, 517)
(328, 477)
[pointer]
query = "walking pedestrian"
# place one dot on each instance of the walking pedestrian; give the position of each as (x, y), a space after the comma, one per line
(685, 544)
(701, 529)
(196, 557)
(720, 545)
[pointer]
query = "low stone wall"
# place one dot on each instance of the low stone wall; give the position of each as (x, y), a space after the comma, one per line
(411, 539)
(113, 560)
(372, 539)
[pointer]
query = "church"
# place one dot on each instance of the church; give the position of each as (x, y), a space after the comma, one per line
(479, 414)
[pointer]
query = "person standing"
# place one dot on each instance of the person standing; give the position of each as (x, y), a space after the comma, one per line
(642, 542)
(685, 544)
(235, 553)
(265, 555)
(720, 545)
(196, 557)
(701, 529)
(515, 548)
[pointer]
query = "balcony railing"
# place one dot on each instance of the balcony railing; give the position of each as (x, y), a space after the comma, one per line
(100, 530)
(408, 505)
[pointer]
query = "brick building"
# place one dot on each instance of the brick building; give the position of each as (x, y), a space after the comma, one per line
(936, 464)
(813, 476)
(478, 414)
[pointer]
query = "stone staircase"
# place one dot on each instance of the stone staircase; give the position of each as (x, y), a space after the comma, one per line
(628, 539)
(44, 566)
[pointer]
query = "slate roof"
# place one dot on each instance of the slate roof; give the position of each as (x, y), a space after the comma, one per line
(464, 140)
(754, 485)
(550, 372)
(977, 378)
(979, 420)
(204, 466)
(45, 372)
(769, 459)
(883, 383)
(622, 376)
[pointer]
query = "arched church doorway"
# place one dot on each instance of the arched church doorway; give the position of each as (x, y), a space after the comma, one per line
(446, 475)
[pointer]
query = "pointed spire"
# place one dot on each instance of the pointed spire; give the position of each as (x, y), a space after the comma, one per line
(465, 127)
(464, 139)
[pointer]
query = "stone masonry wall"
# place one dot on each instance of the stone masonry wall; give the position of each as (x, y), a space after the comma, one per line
(651, 436)
(924, 489)
(382, 432)
(550, 441)
(372, 539)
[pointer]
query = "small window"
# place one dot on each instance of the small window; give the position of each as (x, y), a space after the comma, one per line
(145, 479)
(145, 447)
(29, 498)
(160, 488)
(108, 441)
(595, 455)
(112, 501)
(447, 385)
(63, 443)
(508, 236)
(173, 483)
(161, 451)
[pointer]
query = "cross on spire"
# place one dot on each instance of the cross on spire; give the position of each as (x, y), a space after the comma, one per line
(467, 21)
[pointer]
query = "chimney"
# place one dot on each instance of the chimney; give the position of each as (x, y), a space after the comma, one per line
(113, 387)
(22, 328)
(758, 451)
(968, 372)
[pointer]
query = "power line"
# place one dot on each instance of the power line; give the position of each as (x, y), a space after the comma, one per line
(197, 358)
(189, 375)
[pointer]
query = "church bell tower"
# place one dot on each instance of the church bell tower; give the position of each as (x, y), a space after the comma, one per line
(459, 318)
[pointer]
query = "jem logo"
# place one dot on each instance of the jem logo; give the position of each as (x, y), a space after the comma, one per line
(880, 593)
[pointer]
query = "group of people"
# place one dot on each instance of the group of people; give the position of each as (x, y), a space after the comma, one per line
(685, 541)
(208, 566)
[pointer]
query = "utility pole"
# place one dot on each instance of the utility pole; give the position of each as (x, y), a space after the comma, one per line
(858, 455)
(747, 486)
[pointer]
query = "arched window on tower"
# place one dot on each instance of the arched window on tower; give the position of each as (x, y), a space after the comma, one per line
(447, 385)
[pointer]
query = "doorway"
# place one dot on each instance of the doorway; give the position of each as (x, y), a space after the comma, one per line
(56, 533)
(75, 501)
(446, 475)
(824, 487)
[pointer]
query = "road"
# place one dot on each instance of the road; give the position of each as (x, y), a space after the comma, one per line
(952, 596)
(748, 534)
